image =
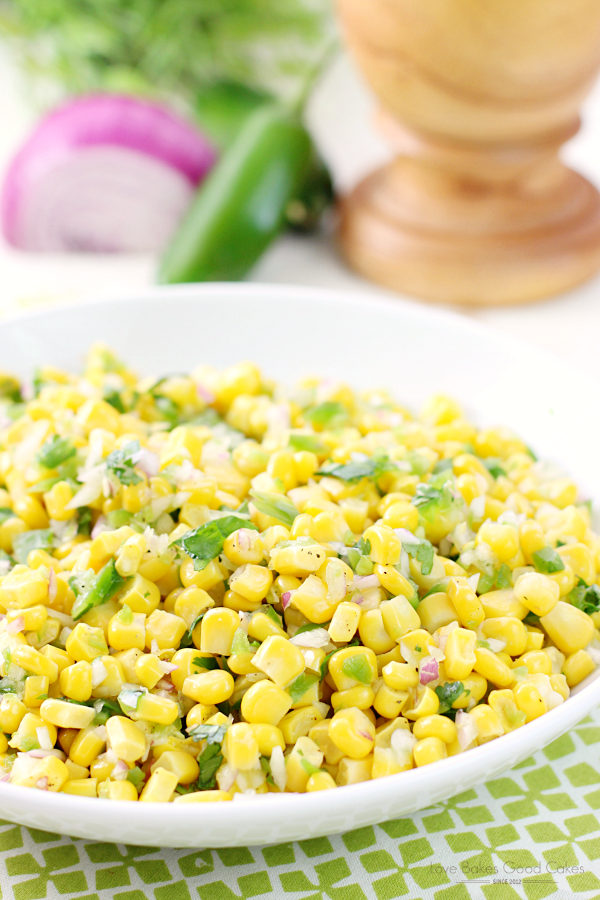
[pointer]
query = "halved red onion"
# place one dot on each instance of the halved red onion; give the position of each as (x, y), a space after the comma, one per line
(103, 173)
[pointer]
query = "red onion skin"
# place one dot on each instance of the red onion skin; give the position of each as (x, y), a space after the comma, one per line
(102, 120)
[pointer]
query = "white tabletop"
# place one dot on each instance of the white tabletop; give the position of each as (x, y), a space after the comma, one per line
(340, 117)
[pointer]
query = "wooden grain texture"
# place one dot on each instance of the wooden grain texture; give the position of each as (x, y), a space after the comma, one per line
(477, 98)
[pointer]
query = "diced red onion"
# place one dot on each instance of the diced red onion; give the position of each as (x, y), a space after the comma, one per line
(205, 394)
(314, 639)
(52, 585)
(100, 526)
(148, 462)
(430, 670)
(366, 735)
(358, 599)
(364, 582)
(44, 739)
(42, 783)
(5, 777)
(467, 730)
(99, 672)
(167, 667)
(278, 769)
(164, 685)
(244, 538)
(286, 599)
(227, 777)
(42, 754)
(103, 173)
(17, 625)
(120, 770)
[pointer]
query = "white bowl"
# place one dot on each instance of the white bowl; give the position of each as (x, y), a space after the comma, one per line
(413, 350)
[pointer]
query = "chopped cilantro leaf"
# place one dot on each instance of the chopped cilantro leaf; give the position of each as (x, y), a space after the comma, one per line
(327, 415)
(55, 451)
(114, 399)
(494, 467)
(120, 463)
(205, 662)
(212, 734)
(311, 626)
(209, 761)
(39, 539)
(448, 693)
(205, 543)
(547, 561)
(421, 550)
(585, 597)
(5, 513)
(278, 506)
(356, 470)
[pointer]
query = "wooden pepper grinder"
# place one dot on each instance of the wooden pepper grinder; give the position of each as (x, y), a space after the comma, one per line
(477, 98)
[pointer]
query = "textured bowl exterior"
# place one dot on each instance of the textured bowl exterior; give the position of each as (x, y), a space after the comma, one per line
(411, 350)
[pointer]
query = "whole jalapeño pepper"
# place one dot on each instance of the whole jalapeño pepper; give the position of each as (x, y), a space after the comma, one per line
(241, 206)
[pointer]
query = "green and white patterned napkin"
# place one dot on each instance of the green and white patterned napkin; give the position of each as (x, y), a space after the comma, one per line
(533, 833)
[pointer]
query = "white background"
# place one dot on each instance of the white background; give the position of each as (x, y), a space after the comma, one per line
(340, 116)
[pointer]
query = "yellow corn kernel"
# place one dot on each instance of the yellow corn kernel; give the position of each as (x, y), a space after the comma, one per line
(117, 790)
(190, 603)
(36, 690)
(401, 514)
(130, 555)
(87, 745)
(165, 629)
(361, 697)
(320, 781)
(141, 595)
(503, 539)
(532, 539)
(504, 705)
(58, 656)
(100, 616)
(207, 578)
(27, 736)
(244, 546)
(101, 770)
(160, 786)
(501, 604)
(466, 602)
(66, 715)
(400, 676)
(435, 726)
(577, 666)
(267, 737)
(184, 660)
(135, 496)
(81, 787)
(33, 618)
(238, 603)
(113, 681)
(49, 631)
(385, 545)
(148, 670)
(489, 724)
(51, 771)
(33, 661)
(240, 746)
(559, 684)
(579, 558)
(128, 659)
(536, 662)
(535, 639)
(280, 660)
(353, 771)
(313, 600)
(76, 681)
(56, 501)
(353, 733)
(394, 655)
(124, 738)
(298, 559)
(19, 590)
(9, 530)
(427, 704)
(218, 628)
(106, 545)
(161, 710)
(568, 628)
(529, 700)
(182, 764)
(199, 715)
(508, 629)
(537, 592)
(460, 654)
(127, 630)
(12, 711)
(385, 762)
(86, 643)
(262, 626)
(429, 750)
(302, 528)
(251, 581)
(373, 633)
(209, 688)
(266, 703)
(390, 703)
(298, 723)
(399, 617)
(32, 512)
(492, 668)
(353, 666)
(304, 760)
(475, 688)
(436, 611)
(394, 582)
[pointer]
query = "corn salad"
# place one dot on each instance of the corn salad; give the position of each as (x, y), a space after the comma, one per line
(212, 586)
